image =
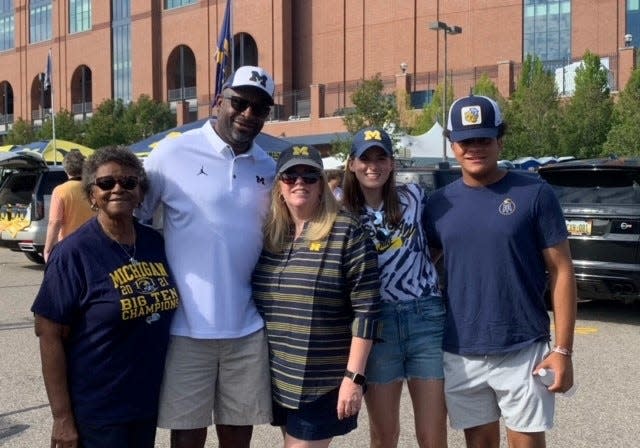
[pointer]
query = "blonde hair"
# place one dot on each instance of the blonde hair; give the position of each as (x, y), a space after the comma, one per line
(277, 227)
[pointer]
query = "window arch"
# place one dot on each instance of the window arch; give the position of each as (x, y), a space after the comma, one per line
(82, 92)
(245, 50)
(6, 104)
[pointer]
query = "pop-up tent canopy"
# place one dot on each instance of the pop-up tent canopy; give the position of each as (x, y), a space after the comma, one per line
(427, 145)
(46, 149)
(272, 145)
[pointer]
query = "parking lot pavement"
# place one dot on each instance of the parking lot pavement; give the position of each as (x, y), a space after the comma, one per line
(605, 412)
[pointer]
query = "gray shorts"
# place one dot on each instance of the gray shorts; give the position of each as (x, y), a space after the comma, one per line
(480, 389)
(222, 381)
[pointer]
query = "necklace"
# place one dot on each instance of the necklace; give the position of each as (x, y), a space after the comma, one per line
(132, 255)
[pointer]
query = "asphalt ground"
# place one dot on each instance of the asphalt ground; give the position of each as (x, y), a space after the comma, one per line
(604, 412)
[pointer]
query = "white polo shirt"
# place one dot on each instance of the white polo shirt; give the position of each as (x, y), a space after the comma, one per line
(214, 207)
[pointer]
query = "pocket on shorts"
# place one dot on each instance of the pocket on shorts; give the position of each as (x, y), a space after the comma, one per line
(432, 310)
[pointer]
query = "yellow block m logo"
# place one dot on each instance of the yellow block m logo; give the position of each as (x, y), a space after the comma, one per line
(372, 135)
(300, 151)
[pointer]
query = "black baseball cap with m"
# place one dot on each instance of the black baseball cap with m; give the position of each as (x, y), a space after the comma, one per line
(474, 117)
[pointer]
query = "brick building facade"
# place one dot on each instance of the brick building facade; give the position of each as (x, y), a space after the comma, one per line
(317, 50)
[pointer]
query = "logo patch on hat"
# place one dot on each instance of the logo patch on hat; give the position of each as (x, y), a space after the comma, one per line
(300, 151)
(256, 77)
(372, 135)
(471, 115)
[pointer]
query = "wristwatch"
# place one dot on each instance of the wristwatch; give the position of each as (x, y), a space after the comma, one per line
(355, 377)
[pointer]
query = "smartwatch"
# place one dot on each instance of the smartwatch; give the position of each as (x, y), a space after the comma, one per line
(355, 377)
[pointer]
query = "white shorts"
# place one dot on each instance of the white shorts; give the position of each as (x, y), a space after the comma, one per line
(480, 389)
(225, 381)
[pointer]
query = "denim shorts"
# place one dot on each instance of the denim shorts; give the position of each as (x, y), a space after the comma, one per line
(317, 420)
(411, 345)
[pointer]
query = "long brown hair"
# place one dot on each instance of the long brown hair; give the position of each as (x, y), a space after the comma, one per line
(354, 201)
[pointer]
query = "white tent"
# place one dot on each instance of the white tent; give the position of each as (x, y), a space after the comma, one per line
(427, 145)
(332, 163)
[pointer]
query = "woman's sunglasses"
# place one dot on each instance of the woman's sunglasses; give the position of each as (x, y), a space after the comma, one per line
(290, 178)
(240, 104)
(106, 183)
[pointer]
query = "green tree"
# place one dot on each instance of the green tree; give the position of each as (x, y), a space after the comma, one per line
(107, 126)
(67, 128)
(146, 117)
(21, 133)
(486, 87)
(532, 114)
(624, 136)
(586, 120)
(372, 106)
(432, 112)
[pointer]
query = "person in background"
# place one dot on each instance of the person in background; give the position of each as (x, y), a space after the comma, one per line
(412, 306)
(102, 315)
(316, 285)
(500, 233)
(334, 177)
(213, 184)
(69, 207)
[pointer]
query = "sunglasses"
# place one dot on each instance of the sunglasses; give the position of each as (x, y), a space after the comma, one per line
(106, 183)
(240, 104)
(290, 178)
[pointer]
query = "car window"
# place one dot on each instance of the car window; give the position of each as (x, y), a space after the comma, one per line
(50, 180)
(595, 187)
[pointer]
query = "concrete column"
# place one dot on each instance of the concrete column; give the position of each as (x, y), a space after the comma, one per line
(317, 100)
(182, 113)
(505, 82)
(626, 65)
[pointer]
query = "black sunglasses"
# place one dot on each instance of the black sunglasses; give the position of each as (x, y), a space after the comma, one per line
(240, 104)
(310, 177)
(106, 183)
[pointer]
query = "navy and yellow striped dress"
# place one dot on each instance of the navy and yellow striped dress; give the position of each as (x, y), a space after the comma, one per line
(314, 296)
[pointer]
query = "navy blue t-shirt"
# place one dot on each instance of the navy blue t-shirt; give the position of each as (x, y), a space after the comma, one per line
(119, 314)
(492, 239)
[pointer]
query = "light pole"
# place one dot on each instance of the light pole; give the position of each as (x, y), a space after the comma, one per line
(453, 29)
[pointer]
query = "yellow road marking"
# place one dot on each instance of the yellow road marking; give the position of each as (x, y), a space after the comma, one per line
(582, 330)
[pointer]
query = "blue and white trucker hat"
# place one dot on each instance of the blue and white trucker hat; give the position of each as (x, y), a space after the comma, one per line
(474, 117)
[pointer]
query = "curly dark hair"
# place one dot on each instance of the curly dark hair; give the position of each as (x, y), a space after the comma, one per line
(121, 155)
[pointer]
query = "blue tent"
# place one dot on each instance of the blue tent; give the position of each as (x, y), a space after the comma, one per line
(272, 145)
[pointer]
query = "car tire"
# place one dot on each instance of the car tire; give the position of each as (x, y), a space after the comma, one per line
(35, 257)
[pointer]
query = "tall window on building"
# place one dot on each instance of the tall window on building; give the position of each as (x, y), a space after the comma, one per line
(170, 4)
(7, 25)
(121, 27)
(547, 29)
(79, 15)
(245, 50)
(40, 20)
(633, 22)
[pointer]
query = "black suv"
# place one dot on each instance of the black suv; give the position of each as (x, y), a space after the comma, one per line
(25, 194)
(601, 203)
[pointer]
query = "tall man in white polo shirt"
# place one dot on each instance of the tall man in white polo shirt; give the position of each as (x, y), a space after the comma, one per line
(214, 184)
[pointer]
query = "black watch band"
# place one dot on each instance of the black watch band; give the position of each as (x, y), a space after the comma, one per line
(355, 377)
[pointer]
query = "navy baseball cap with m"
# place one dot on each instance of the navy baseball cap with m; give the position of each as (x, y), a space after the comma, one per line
(370, 138)
(474, 117)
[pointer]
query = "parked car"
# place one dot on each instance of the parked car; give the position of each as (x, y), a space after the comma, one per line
(601, 203)
(430, 178)
(25, 194)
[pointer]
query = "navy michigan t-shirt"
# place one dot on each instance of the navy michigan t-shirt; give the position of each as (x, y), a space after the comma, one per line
(119, 314)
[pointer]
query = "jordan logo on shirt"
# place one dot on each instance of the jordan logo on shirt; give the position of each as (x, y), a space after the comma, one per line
(202, 171)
